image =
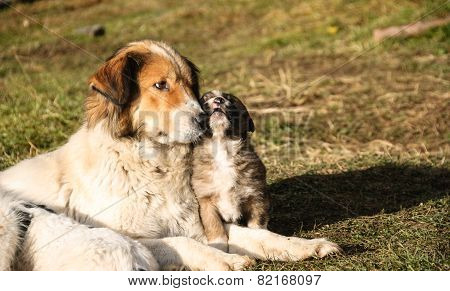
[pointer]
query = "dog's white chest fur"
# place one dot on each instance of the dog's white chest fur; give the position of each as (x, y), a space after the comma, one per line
(225, 173)
(224, 177)
(137, 197)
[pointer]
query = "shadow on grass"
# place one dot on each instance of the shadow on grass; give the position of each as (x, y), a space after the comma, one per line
(303, 202)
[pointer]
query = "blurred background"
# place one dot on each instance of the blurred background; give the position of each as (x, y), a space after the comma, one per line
(350, 99)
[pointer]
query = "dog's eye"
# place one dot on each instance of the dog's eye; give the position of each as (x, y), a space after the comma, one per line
(162, 85)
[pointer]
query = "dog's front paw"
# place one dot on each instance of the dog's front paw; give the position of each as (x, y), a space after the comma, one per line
(215, 260)
(324, 247)
(238, 263)
(226, 262)
(300, 249)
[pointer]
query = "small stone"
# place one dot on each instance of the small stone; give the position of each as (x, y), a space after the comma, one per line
(92, 30)
(5, 3)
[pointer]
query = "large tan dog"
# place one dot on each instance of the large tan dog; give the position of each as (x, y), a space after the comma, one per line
(128, 168)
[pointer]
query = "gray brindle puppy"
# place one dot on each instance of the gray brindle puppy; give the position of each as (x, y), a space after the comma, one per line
(229, 179)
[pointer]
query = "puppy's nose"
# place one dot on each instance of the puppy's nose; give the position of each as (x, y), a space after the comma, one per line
(219, 100)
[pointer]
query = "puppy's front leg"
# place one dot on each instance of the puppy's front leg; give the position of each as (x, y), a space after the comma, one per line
(213, 225)
(265, 245)
(257, 210)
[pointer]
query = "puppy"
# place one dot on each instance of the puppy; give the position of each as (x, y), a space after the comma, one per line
(46, 241)
(229, 179)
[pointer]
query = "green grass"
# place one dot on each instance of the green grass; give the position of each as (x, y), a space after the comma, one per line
(364, 161)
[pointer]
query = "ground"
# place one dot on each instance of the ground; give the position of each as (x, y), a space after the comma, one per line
(355, 134)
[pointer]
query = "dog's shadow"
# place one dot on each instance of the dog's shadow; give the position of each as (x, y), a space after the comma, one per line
(307, 201)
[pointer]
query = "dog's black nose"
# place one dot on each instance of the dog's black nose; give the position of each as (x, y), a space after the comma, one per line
(219, 100)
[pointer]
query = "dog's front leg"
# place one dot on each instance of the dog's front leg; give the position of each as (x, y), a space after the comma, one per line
(265, 245)
(175, 253)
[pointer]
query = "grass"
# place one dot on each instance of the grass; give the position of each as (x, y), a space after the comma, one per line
(364, 159)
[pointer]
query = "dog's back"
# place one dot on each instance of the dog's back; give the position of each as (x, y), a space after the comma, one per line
(35, 238)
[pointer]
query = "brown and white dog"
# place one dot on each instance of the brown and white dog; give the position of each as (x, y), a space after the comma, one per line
(128, 168)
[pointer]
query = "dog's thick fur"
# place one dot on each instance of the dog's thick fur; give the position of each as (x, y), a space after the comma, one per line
(128, 168)
(229, 179)
(46, 241)
(9, 232)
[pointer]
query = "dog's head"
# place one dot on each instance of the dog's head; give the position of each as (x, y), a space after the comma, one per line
(228, 116)
(147, 89)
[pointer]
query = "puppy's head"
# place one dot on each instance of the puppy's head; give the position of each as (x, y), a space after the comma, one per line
(147, 89)
(228, 116)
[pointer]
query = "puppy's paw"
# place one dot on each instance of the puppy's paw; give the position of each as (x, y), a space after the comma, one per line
(175, 268)
(220, 244)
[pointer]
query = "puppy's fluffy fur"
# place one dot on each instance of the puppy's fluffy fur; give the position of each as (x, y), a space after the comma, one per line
(228, 178)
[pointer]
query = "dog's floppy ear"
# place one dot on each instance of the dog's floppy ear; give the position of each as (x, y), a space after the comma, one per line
(194, 77)
(114, 86)
(115, 80)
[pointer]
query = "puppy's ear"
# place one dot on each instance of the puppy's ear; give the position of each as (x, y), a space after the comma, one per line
(251, 125)
(114, 86)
